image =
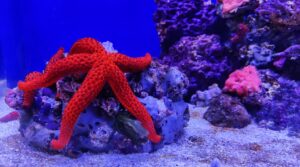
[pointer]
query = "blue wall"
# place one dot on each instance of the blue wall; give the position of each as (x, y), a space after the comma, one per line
(32, 30)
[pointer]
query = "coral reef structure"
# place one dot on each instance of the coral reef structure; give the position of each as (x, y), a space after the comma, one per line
(160, 80)
(175, 19)
(203, 98)
(104, 126)
(274, 21)
(202, 59)
(288, 61)
(277, 105)
(280, 12)
(258, 55)
(259, 35)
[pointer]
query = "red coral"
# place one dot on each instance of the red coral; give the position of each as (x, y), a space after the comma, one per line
(244, 81)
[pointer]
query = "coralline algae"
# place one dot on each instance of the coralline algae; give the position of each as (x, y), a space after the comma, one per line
(288, 61)
(280, 12)
(259, 55)
(175, 19)
(160, 80)
(277, 105)
(203, 98)
(202, 59)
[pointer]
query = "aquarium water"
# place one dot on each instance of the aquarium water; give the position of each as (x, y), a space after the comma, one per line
(119, 83)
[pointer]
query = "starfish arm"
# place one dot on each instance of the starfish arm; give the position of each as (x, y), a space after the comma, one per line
(130, 64)
(10, 117)
(57, 56)
(69, 65)
(88, 91)
(124, 94)
(87, 45)
(29, 95)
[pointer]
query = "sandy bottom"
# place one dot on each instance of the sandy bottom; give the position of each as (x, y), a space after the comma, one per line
(199, 146)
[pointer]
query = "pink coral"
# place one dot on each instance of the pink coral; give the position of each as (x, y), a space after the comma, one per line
(231, 5)
(244, 81)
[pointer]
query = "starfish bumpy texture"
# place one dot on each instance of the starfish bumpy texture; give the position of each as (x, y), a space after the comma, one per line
(87, 55)
(29, 95)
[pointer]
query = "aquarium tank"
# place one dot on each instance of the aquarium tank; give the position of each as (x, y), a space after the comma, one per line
(193, 83)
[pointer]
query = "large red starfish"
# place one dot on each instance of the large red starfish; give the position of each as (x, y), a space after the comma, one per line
(29, 95)
(88, 56)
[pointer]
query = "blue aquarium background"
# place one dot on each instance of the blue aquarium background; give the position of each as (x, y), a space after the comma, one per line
(33, 30)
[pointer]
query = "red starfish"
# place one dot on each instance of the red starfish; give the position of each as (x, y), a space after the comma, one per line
(14, 115)
(29, 95)
(88, 56)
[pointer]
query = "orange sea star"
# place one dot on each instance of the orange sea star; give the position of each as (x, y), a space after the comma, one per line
(88, 56)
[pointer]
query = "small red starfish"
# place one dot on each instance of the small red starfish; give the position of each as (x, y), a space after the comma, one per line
(12, 116)
(88, 56)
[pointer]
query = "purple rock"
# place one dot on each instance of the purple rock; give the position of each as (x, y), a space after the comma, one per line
(275, 21)
(160, 80)
(203, 98)
(202, 59)
(106, 125)
(280, 12)
(288, 61)
(257, 55)
(277, 105)
(178, 18)
(227, 111)
(14, 99)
